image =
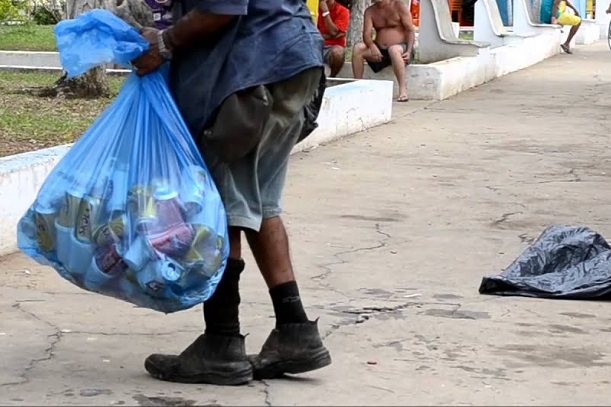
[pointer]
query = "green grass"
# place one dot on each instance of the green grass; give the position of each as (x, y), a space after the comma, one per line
(27, 38)
(30, 122)
(465, 35)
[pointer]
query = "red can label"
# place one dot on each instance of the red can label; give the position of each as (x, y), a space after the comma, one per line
(174, 241)
(169, 211)
(109, 261)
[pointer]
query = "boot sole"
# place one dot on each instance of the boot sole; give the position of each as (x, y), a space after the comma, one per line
(318, 360)
(219, 377)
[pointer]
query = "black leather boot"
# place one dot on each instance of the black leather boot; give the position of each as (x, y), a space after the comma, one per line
(211, 359)
(290, 348)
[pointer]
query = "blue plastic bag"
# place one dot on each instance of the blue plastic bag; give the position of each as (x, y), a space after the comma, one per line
(131, 210)
(95, 38)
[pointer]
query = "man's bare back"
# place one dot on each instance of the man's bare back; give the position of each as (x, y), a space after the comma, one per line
(387, 22)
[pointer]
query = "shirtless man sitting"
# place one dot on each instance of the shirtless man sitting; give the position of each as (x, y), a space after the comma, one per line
(393, 45)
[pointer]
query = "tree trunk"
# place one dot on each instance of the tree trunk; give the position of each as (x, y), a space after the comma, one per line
(355, 30)
(92, 84)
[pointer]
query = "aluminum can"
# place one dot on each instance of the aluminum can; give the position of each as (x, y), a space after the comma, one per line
(168, 207)
(142, 208)
(193, 188)
(205, 255)
(156, 276)
(119, 196)
(139, 253)
(69, 209)
(45, 227)
(112, 232)
(173, 241)
(109, 260)
(87, 216)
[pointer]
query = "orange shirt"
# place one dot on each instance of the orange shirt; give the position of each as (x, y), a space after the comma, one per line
(340, 17)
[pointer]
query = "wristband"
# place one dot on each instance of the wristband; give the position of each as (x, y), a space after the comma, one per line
(163, 50)
(326, 13)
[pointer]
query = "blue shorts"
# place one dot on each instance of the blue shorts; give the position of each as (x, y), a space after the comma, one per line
(251, 187)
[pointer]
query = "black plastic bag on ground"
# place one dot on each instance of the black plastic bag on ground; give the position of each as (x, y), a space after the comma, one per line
(571, 262)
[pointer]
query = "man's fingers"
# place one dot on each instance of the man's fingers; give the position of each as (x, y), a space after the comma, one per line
(141, 71)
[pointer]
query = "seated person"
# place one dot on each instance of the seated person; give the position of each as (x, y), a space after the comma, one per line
(554, 12)
(394, 43)
(333, 19)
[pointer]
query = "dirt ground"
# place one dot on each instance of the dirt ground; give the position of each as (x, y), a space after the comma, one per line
(29, 122)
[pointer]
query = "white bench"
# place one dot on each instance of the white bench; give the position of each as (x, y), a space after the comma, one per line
(588, 32)
(489, 25)
(524, 23)
(437, 40)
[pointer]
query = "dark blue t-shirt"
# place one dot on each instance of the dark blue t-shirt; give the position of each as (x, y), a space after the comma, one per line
(272, 40)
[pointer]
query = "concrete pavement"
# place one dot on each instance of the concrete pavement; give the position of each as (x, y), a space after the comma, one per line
(391, 232)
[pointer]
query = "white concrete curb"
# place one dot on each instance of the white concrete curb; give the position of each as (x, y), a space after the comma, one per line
(346, 109)
(52, 69)
(30, 58)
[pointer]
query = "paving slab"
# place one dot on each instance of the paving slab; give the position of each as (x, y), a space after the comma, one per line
(391, 232)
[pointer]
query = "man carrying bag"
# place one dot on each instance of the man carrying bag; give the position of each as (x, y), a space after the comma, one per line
(248, 78)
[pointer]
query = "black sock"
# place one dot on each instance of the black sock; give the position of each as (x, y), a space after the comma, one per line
(287, 304)
(221, 311)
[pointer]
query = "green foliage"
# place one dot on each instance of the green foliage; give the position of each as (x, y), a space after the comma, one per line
(9, 11)
(46, 16)
(47, 12)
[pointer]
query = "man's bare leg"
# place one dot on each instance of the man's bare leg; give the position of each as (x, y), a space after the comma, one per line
(235, 243)
(567, 44)
(294, 346)
(270, 247)
(359, 53)
(398, 66)
(337, 58)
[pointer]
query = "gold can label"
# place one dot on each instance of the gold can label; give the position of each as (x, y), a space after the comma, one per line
(140, 200)
(86, 218)
(202, 242)
(110, 233)
(135, 195)
(142, 208)
(69, 210)
(205, 254)
(45, 229)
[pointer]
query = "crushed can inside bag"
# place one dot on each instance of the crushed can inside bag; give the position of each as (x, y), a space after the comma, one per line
(131, 210)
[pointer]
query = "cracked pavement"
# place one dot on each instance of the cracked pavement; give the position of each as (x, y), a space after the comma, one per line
(392, 231)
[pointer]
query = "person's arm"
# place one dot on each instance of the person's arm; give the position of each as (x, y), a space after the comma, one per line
(368, 28)
(340, 24)
(331, 28)
(609, 8)
(408, 26)
(555, 11)
(207, 19)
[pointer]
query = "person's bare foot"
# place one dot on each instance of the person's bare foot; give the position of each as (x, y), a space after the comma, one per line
(403, 97)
